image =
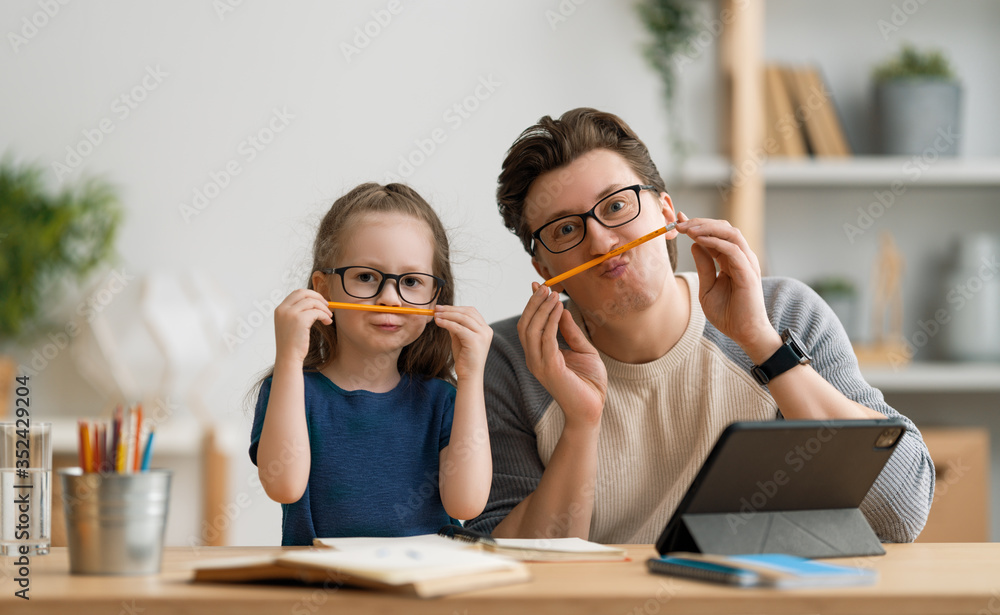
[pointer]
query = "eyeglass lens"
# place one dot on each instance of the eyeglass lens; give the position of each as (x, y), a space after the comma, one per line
(615, 210)
(365, 283)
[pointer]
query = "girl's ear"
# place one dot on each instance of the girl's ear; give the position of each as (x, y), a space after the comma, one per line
(319, 283)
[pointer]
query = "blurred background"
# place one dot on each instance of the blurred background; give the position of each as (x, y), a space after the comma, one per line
(224, 130)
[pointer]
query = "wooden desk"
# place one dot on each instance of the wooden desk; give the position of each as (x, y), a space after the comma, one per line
(915, 579)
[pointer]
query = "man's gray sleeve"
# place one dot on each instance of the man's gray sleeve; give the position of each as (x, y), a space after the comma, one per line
(898, 503)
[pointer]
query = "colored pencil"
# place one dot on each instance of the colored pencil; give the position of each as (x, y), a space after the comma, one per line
(600, 259)
(389, 309)
(138, 438)
(98, 446)
(116, 427)
(88, 448)
(148, 453)
(120, 457)
(81, 436)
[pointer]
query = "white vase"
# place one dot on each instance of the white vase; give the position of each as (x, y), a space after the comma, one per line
(972, 301)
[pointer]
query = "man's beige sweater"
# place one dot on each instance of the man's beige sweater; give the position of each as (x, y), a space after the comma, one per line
(661, 419)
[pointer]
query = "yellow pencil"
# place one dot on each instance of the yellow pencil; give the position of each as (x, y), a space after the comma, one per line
(120, 458)
(391, 309)
(600, 259)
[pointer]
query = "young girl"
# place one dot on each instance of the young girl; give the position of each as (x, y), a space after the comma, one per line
(360, 430)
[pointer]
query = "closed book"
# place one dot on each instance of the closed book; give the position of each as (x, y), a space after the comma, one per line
(829, 118)
(814, 106)
(782, 124)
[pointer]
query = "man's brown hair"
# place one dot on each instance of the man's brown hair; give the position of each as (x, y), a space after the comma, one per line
(551, 144)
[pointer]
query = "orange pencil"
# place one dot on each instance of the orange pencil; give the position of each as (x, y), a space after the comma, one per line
(88, 450)
(82, 436)
(390, 309)
(600, 259)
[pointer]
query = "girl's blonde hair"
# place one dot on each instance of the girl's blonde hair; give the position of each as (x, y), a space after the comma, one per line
(430, 355)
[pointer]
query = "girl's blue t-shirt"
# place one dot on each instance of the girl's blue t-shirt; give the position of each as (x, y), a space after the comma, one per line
(374, 459)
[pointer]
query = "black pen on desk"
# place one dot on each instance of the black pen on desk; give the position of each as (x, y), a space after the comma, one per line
(457, 532)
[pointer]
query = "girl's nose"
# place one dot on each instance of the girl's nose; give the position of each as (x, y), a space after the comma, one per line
(389, 294)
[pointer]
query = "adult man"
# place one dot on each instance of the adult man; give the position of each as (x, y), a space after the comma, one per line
(600, 436)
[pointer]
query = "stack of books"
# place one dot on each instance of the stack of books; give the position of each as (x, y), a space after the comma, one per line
(801, 117)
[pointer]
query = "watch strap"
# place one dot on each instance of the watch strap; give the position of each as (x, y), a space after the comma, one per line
(783, 359)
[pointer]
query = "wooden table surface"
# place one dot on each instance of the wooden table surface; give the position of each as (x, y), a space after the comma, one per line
(914, 579)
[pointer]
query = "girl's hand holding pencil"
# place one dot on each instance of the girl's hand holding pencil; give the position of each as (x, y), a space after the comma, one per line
(470, 338)
(293, 318)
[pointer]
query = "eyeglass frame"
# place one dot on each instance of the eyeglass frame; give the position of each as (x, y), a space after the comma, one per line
(386, 276)
(637, 188)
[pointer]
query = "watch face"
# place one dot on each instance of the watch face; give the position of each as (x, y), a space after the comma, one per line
(793, 342)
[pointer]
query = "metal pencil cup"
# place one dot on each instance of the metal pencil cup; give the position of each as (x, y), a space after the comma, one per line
(115, 522)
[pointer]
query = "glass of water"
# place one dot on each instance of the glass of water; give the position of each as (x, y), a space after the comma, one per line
(25, 487)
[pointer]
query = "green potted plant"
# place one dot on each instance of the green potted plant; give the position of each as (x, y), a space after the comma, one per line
(918, 103)
(840, 294)
(46, 238)
(672, 26)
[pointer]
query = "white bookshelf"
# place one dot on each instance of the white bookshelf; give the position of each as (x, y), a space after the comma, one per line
(702, 171)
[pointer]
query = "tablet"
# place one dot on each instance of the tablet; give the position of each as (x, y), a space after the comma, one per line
(790, 486)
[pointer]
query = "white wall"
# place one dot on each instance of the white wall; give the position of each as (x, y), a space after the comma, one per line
(222, 75)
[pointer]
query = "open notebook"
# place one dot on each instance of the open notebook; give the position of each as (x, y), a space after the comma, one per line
(412, 567)
(523, 549)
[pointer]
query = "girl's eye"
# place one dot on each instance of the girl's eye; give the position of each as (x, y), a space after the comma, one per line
(412, 282)
(365, 278)
(616, 206)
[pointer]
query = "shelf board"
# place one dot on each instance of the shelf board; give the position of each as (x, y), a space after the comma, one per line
(921, 377)
(854, 171)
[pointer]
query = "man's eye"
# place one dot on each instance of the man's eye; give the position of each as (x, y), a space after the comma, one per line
(565, 229)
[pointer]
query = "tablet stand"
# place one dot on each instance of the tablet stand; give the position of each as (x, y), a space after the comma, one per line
(842, 532)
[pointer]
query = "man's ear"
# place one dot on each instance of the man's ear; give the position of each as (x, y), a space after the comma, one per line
(669, 214)
(545, 273)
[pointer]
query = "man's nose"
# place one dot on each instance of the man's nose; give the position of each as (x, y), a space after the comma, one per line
(601, 238)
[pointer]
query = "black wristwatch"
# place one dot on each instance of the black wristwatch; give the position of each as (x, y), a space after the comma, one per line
(785, 358)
